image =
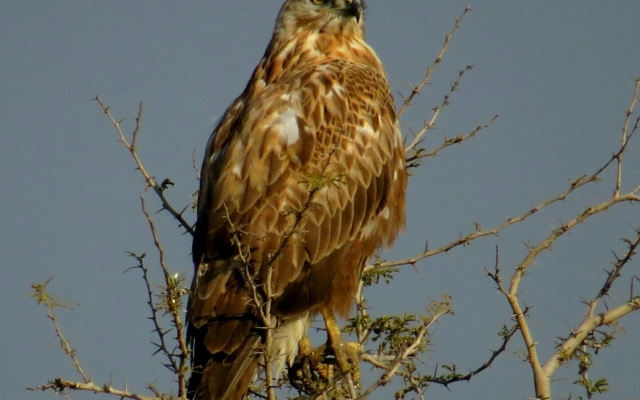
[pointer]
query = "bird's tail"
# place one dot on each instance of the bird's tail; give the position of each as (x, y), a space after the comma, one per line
(222, 376)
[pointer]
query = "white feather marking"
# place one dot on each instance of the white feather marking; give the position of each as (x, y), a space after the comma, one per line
(213, 157)
(237, 170)
(338, 89)
(385, 213)
(287, 126)
(286, 338)
(395, 175)
(366, 130)
(372, 225)
(369, 228)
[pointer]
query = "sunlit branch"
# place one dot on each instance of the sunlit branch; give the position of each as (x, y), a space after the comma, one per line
(59, 385)
(418, 136)
(173, 300)
(625, 135)
(158, 188)
(506, 337)
(588, 326)
(401, 357)
(51, 302)
(414, 159)
(162, 346)
(427, 78)
(478, 233)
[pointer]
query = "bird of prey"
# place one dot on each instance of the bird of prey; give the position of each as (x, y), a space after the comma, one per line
(303, 178)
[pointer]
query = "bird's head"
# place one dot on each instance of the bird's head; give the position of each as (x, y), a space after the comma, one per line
(338, 17)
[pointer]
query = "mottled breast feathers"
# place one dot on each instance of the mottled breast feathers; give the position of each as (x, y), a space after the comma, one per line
(303, 178)
(330, 127)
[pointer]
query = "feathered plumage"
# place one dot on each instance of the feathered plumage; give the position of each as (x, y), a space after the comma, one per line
(303, 178)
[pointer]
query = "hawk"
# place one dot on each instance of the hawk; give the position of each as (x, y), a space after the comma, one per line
(303, 178)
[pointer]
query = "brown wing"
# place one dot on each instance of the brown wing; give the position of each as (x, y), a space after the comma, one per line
(303, 179)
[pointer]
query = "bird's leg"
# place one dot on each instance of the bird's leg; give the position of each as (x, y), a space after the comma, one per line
(313, 368)
(306, 350)
(346, 354)
(307, 362)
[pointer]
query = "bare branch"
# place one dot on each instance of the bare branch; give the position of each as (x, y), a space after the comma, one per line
(618, 266)
(625, 136)
(427, 78)
(543, 373)
(436, 112)
(506, 335)
(58, 385)
(173, 301)
(162, 345)
(51, 302)
(418, 154)
(401, 357)
(478, 233)
(158, 188)
(588, 326)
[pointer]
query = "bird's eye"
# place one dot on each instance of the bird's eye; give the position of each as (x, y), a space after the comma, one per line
(319, 2)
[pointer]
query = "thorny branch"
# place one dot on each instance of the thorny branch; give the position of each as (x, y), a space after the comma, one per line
(263, 306)
(51, 302)
(172, 304)
(162, 346)
(418, 136)
(478, 233)
(427, 78)
(414, 153)
(59, 385)
(543, 373)
(617, 268)
(393, 365)
(401, 357)
(414, 160)
(626, 135)
(593, 320)
(158, 188)
(506, 335)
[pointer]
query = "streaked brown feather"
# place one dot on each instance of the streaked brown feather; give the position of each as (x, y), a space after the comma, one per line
(317, 109)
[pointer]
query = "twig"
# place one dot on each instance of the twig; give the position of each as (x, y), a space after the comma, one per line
(173, 298)
(427, 78)
(588, 326)
(436, 112)
(625, 136)
(59, 385)
(194, 164)
(162, 346)
(506, 337)
(392, 369)
(418, 154)
(43, 297)
(158, 188)
(465, 240)
(618, 266)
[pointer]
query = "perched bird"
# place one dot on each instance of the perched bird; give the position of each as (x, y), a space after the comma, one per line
(303, 178)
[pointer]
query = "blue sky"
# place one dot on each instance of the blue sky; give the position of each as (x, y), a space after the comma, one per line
(559, 74)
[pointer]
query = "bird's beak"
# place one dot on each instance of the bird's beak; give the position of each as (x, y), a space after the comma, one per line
(353, 8)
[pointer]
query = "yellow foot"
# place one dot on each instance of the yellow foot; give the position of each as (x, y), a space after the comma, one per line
(314, 368)
(307, 373)
(347, 354)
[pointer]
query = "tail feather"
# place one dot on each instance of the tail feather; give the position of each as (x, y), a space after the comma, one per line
(221, 376)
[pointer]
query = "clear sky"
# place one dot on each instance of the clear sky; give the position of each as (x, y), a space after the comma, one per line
(559, 74)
